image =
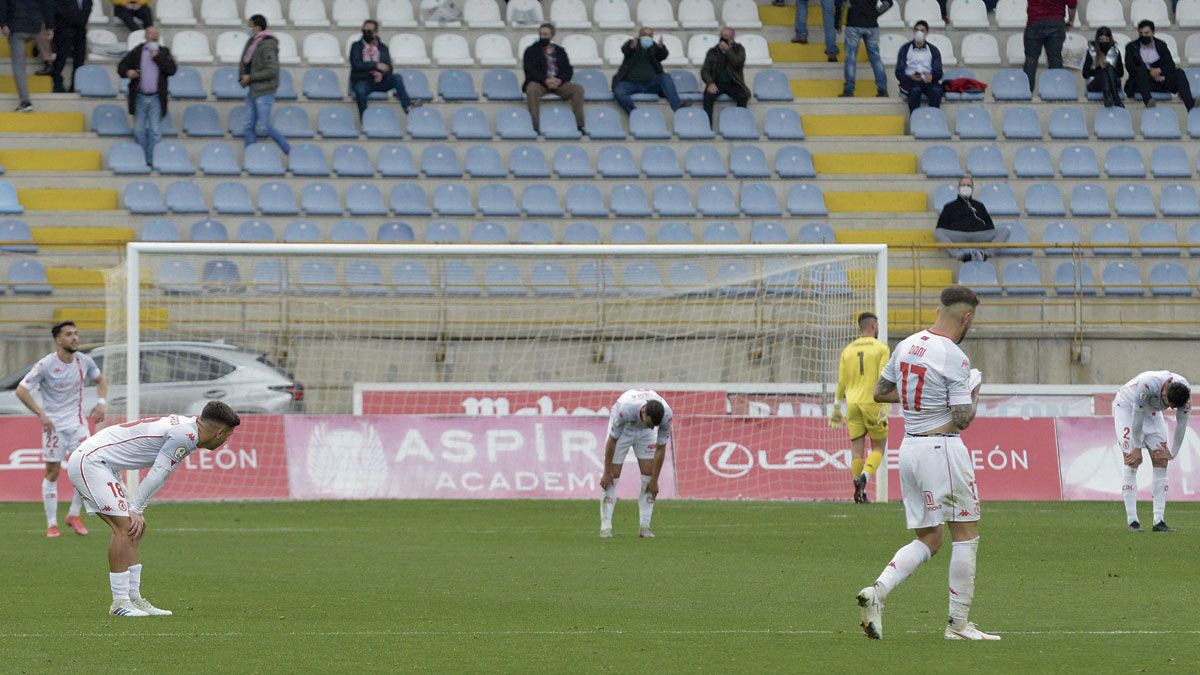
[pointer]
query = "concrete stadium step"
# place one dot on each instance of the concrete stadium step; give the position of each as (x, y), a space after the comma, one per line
(74, 277)
(55, 161)
(37, 84)
(876, 202)
(42, 122)
(865, 163)
(83, 237)
(51, 199)
(813, 52)
(853, 125)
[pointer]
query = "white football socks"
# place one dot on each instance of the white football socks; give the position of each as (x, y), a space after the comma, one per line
(607, 503)
(1158, 489)
(1129, 492)
(50, 501)
(645, 504)
(962, 578)
(76, 504)
(119, 581)
(905, 562)
(135, 582)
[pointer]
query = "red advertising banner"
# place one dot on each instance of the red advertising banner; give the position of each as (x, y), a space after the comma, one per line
(21, 465)
(505, 402)
(1092, 464)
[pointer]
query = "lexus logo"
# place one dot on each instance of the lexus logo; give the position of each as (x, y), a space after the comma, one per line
(728, 459)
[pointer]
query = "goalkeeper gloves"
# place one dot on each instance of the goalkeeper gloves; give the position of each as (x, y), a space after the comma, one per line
(837, 419)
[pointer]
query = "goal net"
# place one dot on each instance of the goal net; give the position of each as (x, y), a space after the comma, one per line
(383, 371)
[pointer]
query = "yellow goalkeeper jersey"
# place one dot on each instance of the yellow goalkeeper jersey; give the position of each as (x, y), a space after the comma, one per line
(858, 370)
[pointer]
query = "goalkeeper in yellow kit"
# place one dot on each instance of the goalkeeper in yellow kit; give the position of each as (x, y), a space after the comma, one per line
(858, 369)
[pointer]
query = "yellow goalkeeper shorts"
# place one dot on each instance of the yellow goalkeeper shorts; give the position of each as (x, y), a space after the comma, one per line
(867, 418)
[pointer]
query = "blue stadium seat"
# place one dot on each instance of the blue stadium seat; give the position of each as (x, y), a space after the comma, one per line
(483, 161)
(201, 120)
(1043, 199)
(1158, 232)
(336, 122)
(1057, 84)
(748, 161)
(558, 123)
(452, 200)
(1033, 161)
(384, 122)
(321, 84)
(232, 198)
(1110, 232)
(263, 159)
(1069, 280)
(292, 122)
(642, 278)
(783, 124)
(109, 119)
(1124, 161)
(721, 233)
(276, 198)
(596, 281)
(937, 161)
(185, 197)
(986, 161)
(528, 161)
(791, 161)
(550, 279)
(737, 124)
(603, 124)
(675, 233)
(979, 276)
(236, 122)
(470, 124)
(1113, 124)
(350, 231)
(255, 230)
(806, 199)
(595, 85)
(365, 199)
(703, 161)
(28, 277)
(943, 195)
(225, 84)
(692, 124)
(1063, 234)
(688, 87)
(533, 232)
(127, 158)
(208, 230)
(455, 84)
(502, 278)
(307, 159)
(1193, 239)
(441, 232)
(157, 229)
(302, 232)
(1193, 123)
(317, 277)
(772, 85)
(1121, 278)
(585, 201)
(139, 197)
(94, 82)
(735, 278)
(571, 161)
(497, 199)
(628, 233)
(1022, 123)
(715, 200)
(759, 199)
(1169, 278)
(1089, 199)
(488, 232)
(784, 279)
(928, 124)
(460, 279)
(648, 124)
(816, 233)
(1160, 124)
(1022, 277)
(287, 86)
(659, 161)
(416, 84)
(688, 277)
(1016, 235)
(364, 278)
(267, 277)
(673, 200)
(1067, 124)
(350, 161)
(178, 277)
(954, 73)
(514, 124)
(440, 161)
(395, 232)
(581, 233)
(768, 233)
(1011, 84)
(828, 279)
(1179, 200)
(1170, 161)
(186, 84)
(629, 200)
(500, 84)
(1078, 161)
(396, 161)
(999, 199)
(615, 161)
(1134, 201)
(974, 122)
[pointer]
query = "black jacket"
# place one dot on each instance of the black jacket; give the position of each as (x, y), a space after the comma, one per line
(166, 68)
(535, 65)
(965, 215)
(361, 70)
(1133, 58)
(658, 53)
(862, 14)
(68, 13)
(1089, 62)
(26, 16)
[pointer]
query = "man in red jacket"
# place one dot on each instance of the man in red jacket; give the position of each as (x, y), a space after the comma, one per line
(1045, 28)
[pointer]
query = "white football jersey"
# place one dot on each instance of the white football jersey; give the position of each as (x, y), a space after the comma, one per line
(932, 374)
(1146, 391)
(626, 414)
(135, 445)
(61, 385)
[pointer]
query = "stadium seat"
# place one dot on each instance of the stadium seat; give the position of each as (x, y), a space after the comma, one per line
(127, 158)
(307, 159)
(201, 121)
(771, 85)
(1011, 85)
(1134, 201)
(1187, 13)
(1169, 278)
(441, 232)
(496, 200)
(999, 199)
(156, 229)
(1067, 123)
(550, 278)
(1032, 161)
(1109, 232)
(267, 277)
(611, 14)
(595, 85)
(585, 201)
(317, 277)
(350, 231)
(740, 14)
(440, 161)
(320, 199)
(1113, 124)
(514, 124)
(642, 278)
(416, 84)
(392, 13)
(748, 161)
(759, 199)
(692, 125)
(175, 277)
(1158, 232)
(737, 124)
(232, 198)
(383, 122)
(502, 278)
(350, 161)
(1016, 235)
(208, 230)
(572, 162)
(721, 233)
(364, 278)
(139, 197)
(221, 276)
(615, 161)
(1057, 84)
(688, 87)
(170, 13)
(581, 233)
(28, 277)
(660, 161)
(540, 201)
(532, 232)
(255, 230)
(628, 233)
(816, 233)
(974, 122)
(527, 161)
(524, 13)
(1043, 199)
(185, 197)
(395, 232)
(452, 200)
(558, 123)
(225, 84)
(494, 50)
(791, 161)
(929, 124)
(276, 198)
(481, 14)
(673, 200)
(292, 122)
(647, 124)
(569, 14)
(986, 161)
(1089, 200)
(456, 85)
(1160, 124)
(1170, 161)
(1022, 123)
(980, 49)
(593, 280)
(675, 233)
(629, 200)
(408, 199)
(1121, 278)
(582, 50)
(944, 194)
(336, 122)
(979, 276)
(396, 161)
(500, 84)
(220, 13)
(1062, 234)
(111, 120)
(483, 161)
(783, 124)
(716, 200)
(1078, 161)
(1022, 277)
(94, 82)
(937, 161)
(603, 124)
(263, 159)
(806, 199)
(450, 49)
(768, 233)
(321, 84)
(1124, 161)
(186, 84)
(1179, 200)
(688, 277)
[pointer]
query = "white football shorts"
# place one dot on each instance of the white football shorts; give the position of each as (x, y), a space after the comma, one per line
(937, 479)
(1154, 429)
(642, 441)
(58, 445)
(100, 486)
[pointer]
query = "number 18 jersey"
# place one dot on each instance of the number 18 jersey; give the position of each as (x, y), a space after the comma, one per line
(931, 374)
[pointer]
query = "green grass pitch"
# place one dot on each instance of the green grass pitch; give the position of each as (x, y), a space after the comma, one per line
(529, 587)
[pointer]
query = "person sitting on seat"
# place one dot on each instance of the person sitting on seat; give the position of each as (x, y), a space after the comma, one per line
(1103, 69)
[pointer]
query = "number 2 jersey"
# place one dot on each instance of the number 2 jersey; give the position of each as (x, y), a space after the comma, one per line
(1145, 395)
(138, 445)
(931, 374)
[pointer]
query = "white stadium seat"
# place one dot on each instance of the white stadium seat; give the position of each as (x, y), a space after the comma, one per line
(740, 14)
(611, 14)
(103, 44)
(582, 50)
(136, 38)
(352, 13)
(573, 14)
(945, 47)
(523, 13)
(190, 46)
(494, 49)
(270, 9)
(395, 14)
(308, 14)
(656, 14)
(980, 49)
(408, 48)
(427, 8)
(1171, 44)
(968, 14)
(482, 14)
(220, 13)
(1015, 51)
(923, 10)
(230, 45)
(1187, 14)
(1011, 14)
(1105, 13)
(1155, 10)
(889, 47)
(676, 55)
(1191, 47)
(891, 18)
(171, 12)
(289, 54)
(322, 49)
(699, 45)
(757, 52)
(612, 49)
(697, 14)
(97, 17)
(450, 49)
(525, 42)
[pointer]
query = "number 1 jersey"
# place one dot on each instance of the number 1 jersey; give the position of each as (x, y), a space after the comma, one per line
(931, 374)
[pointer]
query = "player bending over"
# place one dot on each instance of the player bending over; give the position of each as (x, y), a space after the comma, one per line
(632, 423)
(1140, 423)
(858, 369)
(61, 377)
(156, 443)
(930, 377)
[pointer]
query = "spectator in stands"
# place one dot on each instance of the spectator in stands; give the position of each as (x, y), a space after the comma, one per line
(965, 220)
(147, 66)
(371, 70)
(135, 14)
(722, 73)
(1103, 69)
(22, 21)
(1044, 28)
(862, 25)
(919, 69)
(831, 20)
(1152, 69)
(260, 76)
(642, 72)
(548, 71)
(70, 38)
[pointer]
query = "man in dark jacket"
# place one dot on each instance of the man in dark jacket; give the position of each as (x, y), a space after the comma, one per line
(642, 73)
(548, 71)
(259, 66)
(371, 70)
(1152, 69)
(862, 25)
(22, 21)
(70, 38)
(965, 220)
(722, 73)
(919, 69)
(147, 66)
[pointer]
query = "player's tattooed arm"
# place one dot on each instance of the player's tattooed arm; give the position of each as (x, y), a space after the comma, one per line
(962, 415)
(885, 391)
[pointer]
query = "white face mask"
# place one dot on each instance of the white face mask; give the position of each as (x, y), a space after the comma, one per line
(965, 191)
(919, 37)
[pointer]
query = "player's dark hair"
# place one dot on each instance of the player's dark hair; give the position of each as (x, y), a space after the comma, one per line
(864, 318)
(221, 413)
(260, 21)
(1178, 394)
(654, 410)
(57, 328)
(954, 295)
(1146, 23)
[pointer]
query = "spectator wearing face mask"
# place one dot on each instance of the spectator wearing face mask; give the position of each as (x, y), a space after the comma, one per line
(965, 220)
(548, 70)
(1103, 69)
(371, 70)
(722, 73)
(1152, 69)
(641, 72)
(919, 69)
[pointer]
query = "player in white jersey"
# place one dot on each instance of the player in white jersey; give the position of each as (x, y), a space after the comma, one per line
(159, 444)
(931, 378)
(635, 416)
(1140, 423)
(60, 377)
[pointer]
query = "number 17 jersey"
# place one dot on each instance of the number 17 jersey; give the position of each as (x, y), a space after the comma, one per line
(931, 374)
